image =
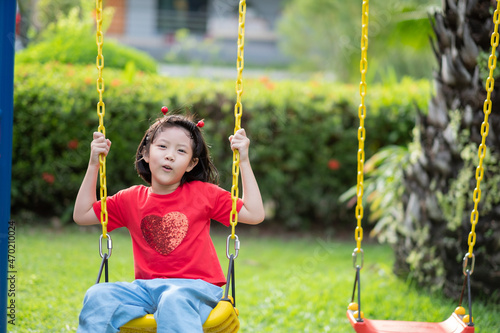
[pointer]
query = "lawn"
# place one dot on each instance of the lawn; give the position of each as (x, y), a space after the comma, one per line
(284, 284)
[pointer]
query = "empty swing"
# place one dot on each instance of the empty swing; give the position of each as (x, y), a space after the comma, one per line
(224, 317)
(459, 321)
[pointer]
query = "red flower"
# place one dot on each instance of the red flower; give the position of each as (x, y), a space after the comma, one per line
(18, 23)
(73, 144)
(266, 82)
(333, 164)
(48, 178)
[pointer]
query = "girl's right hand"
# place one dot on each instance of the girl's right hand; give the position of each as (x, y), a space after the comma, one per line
(100, 145)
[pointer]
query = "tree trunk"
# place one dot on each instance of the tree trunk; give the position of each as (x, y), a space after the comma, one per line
(439, 185)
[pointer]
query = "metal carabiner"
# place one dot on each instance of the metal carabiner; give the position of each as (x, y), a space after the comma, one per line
(109, 245)
(236, 246)
(466, 261)
(355, 258)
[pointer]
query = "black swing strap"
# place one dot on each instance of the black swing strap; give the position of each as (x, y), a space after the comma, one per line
(230, 282)
(357, 282)
(104, 265)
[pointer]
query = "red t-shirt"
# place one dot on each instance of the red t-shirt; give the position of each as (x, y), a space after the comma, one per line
(170, 233)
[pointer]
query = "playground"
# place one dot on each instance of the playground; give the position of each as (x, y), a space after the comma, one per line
(380, 194)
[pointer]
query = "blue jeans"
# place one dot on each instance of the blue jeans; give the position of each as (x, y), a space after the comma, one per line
(178, 305)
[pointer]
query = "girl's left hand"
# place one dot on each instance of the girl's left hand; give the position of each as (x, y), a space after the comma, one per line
(241, 142)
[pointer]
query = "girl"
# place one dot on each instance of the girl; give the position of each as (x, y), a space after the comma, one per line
(178, 275)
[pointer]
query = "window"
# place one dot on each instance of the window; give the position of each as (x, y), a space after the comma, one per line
(182, 14)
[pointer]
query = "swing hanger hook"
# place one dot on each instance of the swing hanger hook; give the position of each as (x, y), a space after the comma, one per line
(109, 245)
(236, 246)
(466, 262)
(355, 258)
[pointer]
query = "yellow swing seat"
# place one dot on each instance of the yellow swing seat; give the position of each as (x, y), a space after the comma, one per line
(143, 324)
(222, 319)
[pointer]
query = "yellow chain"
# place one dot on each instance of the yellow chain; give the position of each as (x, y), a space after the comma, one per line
(100, 113)
(490, 83)
(238, 111)
(363, 65)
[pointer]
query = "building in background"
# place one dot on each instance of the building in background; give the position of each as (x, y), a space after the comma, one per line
(152, 26)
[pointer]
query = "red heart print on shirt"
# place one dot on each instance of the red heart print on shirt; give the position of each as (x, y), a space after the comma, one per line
(164, 234)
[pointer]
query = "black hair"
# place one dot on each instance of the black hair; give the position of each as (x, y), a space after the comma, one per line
(204, 170)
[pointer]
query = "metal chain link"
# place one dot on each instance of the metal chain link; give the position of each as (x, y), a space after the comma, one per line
(490, 83)
(101, 110)
(238, 111)
(363, 66)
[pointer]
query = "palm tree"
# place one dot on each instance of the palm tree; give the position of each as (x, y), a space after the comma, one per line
(440, 181)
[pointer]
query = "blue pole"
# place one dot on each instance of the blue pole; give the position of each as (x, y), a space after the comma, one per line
(7, 50)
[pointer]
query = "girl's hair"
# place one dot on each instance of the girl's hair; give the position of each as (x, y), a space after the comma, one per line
(204, 170)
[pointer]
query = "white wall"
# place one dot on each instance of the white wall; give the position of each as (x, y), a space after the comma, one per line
(141, 18)
(260, 19)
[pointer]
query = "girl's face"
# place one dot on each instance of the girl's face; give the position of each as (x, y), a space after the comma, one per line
(170, 156)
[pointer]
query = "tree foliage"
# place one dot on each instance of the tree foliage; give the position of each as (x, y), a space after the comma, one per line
(324, 35)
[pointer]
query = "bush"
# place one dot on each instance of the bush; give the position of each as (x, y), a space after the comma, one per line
(72, 40)
(304, 134)
(49, 11)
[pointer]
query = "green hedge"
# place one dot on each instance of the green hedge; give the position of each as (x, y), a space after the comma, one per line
(83, 51)
(304, 134)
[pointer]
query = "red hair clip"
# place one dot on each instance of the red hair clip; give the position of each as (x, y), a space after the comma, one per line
(164, 110)
(200, 124)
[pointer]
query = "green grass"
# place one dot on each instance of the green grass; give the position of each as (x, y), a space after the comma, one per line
(283, 285)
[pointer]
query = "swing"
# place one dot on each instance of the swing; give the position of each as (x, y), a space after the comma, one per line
(458, 322)
(224, 317)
